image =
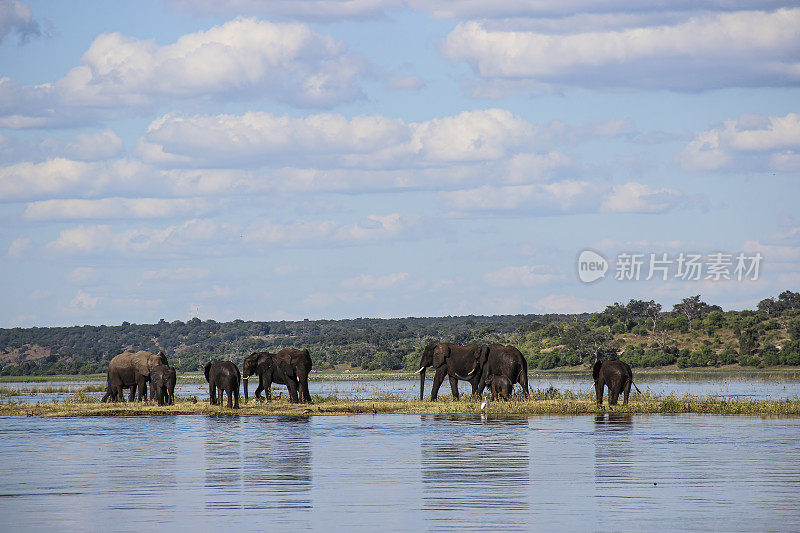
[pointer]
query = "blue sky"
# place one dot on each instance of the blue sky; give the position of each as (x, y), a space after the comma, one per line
(389, 158)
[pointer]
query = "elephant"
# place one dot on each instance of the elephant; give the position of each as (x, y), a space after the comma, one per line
(455, 362)
(289, 366)
(130, 369)
(500, 386)
(617, 376)
(162, 384)
(222, 377)
(505, 361)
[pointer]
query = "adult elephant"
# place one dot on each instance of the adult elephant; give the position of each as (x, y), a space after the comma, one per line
(617, 376)
(456, 362)
(506, 361)
(289, 366)
(223, 377)
(162, 384)
(131, 369)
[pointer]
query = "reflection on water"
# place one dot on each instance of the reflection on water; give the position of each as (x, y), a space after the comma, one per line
(401, 473)
(475, 472)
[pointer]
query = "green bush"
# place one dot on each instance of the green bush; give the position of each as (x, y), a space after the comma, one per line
(771, 355)
(749, 360)
(727, 357)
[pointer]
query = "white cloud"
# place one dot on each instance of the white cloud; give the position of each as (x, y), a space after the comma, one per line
(640, 198)
(368, 282)
(210, 237)
(94, 146)
(707, 51)
(243, 57)
(515, 276)
(539, 199)
(19, 247)
(563, 303)
(752, 141)
(61, 177)
(405, 83)
(83, 301)
(16, 17)
(82, 275)
(563, 197)
(117, 208)
(335, 141)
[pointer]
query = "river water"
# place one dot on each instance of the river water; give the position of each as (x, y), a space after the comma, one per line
(401, 473)
(742, 385)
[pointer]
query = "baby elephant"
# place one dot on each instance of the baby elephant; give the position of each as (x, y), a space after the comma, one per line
(500, 386)
(162, 384)
(223, 376)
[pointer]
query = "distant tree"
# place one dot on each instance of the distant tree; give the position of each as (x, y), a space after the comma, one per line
(690, 307)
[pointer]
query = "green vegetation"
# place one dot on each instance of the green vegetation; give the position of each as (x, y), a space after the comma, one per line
(693, 334)
(549, 401)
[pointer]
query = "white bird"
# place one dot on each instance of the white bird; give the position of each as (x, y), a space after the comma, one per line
(483, 405)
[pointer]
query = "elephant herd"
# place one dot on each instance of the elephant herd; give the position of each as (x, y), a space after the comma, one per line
(494, 366)
(134, 370)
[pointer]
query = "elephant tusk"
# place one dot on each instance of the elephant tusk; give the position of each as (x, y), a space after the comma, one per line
(420, 370)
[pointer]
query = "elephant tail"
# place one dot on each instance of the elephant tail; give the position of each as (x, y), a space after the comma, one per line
(635, 387)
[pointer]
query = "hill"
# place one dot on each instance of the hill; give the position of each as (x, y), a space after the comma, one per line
(693, 333)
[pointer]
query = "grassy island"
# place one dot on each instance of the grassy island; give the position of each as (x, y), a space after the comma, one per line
(540, 403)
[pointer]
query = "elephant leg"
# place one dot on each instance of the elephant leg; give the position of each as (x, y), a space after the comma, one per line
(291, 384)
(475, 382)
(613, 395)
(304, 393)
(220, 395)
(626, 392)
(454, 387)
(268, 388)
(230, 398)
(598, 388)
(260, 388)
(236, 398)
(437, 382)
(132, 397)
(212, 393)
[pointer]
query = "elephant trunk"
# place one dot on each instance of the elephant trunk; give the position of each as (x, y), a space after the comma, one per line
(421, 382)
(244, 382)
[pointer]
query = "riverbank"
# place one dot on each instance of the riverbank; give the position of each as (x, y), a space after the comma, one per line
(564, 403)
(788, 372)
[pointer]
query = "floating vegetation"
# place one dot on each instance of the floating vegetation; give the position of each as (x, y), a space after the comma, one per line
(49, 389)
(549, 401)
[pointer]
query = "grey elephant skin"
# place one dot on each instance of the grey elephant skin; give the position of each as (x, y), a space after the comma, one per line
(131, 370)
(617, 376)
(162, 384)
(289, 366)
(223, 377)
(508, 362)
(456, 362)
(500, 386)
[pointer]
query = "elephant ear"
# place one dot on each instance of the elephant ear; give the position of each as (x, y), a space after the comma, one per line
(440, 354)
(207, 369)
(596, 370)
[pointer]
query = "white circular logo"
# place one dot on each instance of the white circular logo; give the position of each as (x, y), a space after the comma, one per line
(591, 266)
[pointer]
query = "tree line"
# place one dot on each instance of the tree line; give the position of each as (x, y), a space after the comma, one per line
(693, 333)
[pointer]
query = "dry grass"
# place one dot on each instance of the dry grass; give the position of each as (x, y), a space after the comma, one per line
(540, 403)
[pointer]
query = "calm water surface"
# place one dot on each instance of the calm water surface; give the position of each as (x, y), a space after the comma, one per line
(736, 385)
(401, 473)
